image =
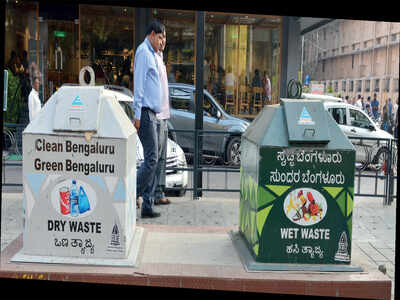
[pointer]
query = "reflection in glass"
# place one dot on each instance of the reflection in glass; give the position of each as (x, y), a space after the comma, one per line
(241, 67)
(179, 54)
(107, 35)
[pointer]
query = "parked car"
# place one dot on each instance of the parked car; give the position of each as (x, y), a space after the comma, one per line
(354, 122)
(224, 146)
(176, 180)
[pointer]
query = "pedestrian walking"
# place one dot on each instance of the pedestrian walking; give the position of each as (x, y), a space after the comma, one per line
(360, 102)
(375, 107)
(162, 130)
(385, 119)
(148, 94)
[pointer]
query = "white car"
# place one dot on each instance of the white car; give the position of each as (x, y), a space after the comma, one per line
(176, 180)
(356, 123)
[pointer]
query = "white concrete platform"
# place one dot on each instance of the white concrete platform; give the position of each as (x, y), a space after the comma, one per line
(130, 261)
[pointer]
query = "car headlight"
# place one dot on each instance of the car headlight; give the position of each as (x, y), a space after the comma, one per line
(179, 156)
(181, 162)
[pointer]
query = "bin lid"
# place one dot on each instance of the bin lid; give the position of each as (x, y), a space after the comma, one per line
(270, 129)
(306, 121)
(73, 110)
(77, 109)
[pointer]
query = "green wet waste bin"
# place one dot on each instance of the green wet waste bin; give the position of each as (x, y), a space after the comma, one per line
(296, 186)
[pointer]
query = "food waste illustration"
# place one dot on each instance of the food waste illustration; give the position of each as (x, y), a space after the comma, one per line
(305, 207)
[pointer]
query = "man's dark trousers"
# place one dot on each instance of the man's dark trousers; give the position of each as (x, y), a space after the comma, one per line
(146, 179)
(162, 130)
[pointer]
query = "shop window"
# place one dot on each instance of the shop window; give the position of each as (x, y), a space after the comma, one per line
(21, 58)
(242, 61)
(179, 52)
(387, 84)
(358, 86)
(63, 61)
(395, 85)
(377, 81)
(107, 43)
(367, 85)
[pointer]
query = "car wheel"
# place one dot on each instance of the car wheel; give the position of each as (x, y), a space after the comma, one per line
(233, 152)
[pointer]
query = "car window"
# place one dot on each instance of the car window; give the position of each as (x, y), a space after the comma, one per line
(180, 99)
(209, 109)
(339, 114)
(358, 119)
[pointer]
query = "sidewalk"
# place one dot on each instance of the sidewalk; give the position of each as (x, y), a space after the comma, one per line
(373, 230)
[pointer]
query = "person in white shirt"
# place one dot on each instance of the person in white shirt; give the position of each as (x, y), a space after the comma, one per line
(34, 103)
(229, 81)
(360, 103)
(162, 129)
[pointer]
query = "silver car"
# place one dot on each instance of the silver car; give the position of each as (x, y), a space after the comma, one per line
(215, 118)
(356, 123)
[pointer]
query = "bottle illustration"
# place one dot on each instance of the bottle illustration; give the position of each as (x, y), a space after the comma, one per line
(74, 199)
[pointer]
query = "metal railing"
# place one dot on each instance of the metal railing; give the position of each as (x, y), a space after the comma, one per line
(376, 168)
(376, 164)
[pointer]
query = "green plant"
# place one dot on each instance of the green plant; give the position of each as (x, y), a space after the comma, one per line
(14, 100)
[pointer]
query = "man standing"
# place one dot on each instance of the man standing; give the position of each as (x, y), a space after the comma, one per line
(375, 107)
(34, 103)
(162, 130)
(360, 102)
(147, 104)
(267, 86)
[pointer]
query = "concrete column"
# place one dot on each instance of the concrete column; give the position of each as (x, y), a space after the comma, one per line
(290, 54)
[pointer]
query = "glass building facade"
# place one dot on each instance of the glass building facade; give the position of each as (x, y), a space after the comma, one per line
(242, 59)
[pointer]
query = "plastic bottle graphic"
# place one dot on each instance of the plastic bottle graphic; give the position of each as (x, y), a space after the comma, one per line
(73, 193)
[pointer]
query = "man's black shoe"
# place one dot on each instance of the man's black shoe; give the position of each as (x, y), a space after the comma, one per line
(151, 214)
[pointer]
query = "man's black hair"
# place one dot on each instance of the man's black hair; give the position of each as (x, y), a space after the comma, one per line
(155, 26)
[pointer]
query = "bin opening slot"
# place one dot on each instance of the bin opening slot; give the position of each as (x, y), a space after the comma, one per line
(306, 121)
(74, 122)
(309, 132)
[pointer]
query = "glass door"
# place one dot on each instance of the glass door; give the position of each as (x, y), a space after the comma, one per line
(62, 57)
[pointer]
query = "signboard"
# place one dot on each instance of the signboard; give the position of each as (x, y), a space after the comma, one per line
(302, 206)
(317, 89)
(59, 33)
(5, 90)
(95, 228)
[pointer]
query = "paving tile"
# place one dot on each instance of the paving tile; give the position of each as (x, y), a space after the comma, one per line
(373, 253)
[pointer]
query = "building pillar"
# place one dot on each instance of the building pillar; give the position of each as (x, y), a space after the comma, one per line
(290, 54)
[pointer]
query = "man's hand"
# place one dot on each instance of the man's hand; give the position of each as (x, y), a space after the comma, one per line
(136, 123)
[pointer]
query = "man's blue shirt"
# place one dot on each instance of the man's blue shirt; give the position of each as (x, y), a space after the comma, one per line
(375, 107)
(147, 91)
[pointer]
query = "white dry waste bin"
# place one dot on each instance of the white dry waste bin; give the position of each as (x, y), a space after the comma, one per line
(79, 178)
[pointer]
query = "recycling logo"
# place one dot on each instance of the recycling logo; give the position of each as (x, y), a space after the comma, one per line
(305, 118)
(77, 103)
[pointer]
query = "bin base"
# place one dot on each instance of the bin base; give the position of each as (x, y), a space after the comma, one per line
(130, 261)
(251, 265)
